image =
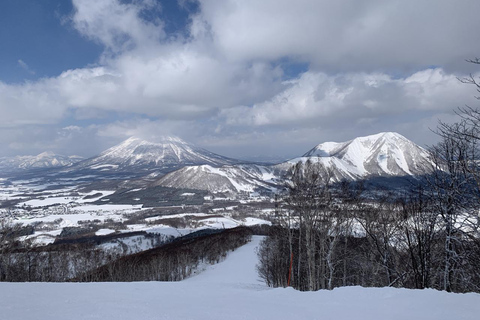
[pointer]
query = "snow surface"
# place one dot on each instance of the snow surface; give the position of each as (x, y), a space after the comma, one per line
(386, 153)
(58, 200)
(67, 220)
(167, 151)
(228, 290)
(44, 237)
(125, 208)
(103, 232)
(44, 160)
(128, 245)
(236, 178)
(178, 215)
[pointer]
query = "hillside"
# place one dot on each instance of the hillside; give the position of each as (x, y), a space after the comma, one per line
(141, 156)
(238, 178)
(44, 160)
(385, 155)
(228, 290)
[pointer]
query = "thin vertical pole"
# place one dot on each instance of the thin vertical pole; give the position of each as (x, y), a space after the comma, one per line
(290, 270)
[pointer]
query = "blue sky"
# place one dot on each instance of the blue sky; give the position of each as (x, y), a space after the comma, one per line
(241, 78)
(32, 31)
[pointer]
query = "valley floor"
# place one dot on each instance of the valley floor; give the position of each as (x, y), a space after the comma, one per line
(228, 290)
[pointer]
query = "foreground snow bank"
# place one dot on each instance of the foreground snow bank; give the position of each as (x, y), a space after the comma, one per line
(228, 290)
(180, 301)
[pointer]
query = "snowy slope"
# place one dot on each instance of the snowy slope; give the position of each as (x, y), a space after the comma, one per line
(43, 160)
(239, 178)
(229, 290)
(382, 155)
(386, 154)
(166, 154)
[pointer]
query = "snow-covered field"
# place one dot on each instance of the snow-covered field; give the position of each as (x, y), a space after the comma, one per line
(228, 290)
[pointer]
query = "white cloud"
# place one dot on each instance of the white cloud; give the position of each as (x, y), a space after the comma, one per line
(116, 25)
(30, 103)
(317, 98)
(346, 34)
(372, 66)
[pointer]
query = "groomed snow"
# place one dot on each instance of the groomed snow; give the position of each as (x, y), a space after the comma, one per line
(228, 290)
(103, 232)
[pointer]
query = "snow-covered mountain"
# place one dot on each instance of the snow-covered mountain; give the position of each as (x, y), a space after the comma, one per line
(386, 154)
(187, 166)
(42, 161)
(233, 179)
(164, 155)
(382, 155)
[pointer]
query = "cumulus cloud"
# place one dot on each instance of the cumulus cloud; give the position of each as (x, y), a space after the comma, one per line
(116, 25)
(30, 103)
(34, 139)
(371, 66)
(317, 98)
(344, 35)
(141, 127)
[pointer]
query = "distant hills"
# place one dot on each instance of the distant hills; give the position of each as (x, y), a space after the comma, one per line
(172, 162)
(143, 157)
(42, 161)
(386, 155)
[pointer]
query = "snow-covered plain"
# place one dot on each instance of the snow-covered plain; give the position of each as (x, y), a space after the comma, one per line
(228, 290)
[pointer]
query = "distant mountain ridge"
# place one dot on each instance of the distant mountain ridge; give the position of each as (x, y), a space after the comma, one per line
(44, 160)
(232, 179)
(380, 155)
(167, 154)
(172, 162)
(386, 154)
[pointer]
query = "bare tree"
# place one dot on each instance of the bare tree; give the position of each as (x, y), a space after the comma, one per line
(455, 184)
(420, 237)
(309, 197)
